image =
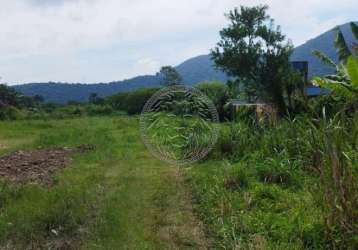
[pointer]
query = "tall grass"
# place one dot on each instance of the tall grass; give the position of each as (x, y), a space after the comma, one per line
(336, 143)
(299, 190)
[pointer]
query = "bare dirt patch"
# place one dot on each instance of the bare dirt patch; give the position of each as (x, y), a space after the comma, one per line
(37, 165)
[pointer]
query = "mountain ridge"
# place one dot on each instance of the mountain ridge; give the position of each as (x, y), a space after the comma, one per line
(193, 70)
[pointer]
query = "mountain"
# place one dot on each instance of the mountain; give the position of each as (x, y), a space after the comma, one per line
(199, 69)
(61, 93)
(194, 70)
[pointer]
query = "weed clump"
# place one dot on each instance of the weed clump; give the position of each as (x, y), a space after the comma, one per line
(237, 180)
(277, 171)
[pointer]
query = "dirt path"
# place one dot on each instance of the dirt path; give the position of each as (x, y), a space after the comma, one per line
(147, 203)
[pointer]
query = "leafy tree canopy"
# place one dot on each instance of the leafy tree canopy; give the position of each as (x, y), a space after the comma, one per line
(254, 51)
(10, 97)
(170, 76)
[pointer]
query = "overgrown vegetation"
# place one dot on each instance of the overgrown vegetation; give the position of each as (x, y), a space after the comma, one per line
(292, 186)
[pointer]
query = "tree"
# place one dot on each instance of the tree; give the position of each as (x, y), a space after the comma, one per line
(254, 51)
(170, 76)
(95, 99)
(38, 98)
(8, 96)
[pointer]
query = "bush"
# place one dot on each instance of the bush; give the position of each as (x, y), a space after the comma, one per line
(331, 104)
(262, 193)
(218, 92)
(131, 102)
(237, 140)
(313, 236)
(245, 113)
(99, 110)
(11, 113)
(277, 171)
(237, 179)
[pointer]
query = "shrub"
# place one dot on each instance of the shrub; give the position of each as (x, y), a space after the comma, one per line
(237, 140)
(218, 92)
(276, 171)
(131, 102)
(237, 179)
(313, 236)
(263, 193)
(99, 110)
(11, 113)
(245, 113)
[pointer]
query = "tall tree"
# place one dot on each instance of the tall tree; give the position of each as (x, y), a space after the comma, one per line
(8, 96)
(94, 98)
(254, 51)
(170, 76)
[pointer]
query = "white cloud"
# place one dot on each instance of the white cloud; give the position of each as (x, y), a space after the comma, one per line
(142, 33)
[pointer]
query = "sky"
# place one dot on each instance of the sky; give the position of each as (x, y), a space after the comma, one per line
(94, 41)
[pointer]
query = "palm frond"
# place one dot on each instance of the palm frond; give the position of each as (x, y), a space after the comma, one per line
(352, 69)
(341, 46)
(335, 86)
(324, 58)
(354, 28)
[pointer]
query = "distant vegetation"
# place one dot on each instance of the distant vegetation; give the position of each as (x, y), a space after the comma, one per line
(14, 105)
(192, 71)
(170, 76)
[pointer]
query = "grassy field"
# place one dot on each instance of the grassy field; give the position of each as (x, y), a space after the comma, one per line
(255, 191)
(116, 197)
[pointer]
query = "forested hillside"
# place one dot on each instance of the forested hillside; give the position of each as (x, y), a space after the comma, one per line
(194, 70)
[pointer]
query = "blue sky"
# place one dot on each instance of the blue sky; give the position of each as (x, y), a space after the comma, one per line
(107, 40)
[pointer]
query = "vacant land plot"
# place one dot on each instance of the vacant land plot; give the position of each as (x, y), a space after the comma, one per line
(114, 197)
(113, 194)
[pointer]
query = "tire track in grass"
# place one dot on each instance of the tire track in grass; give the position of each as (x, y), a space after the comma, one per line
(146, 204)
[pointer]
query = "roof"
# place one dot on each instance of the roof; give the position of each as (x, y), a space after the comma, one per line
(238, 102)
(316, 91)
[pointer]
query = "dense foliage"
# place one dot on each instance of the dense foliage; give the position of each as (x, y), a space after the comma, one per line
(293, 186)
(14, 105)
(254, 51)
(131, 102)
(170, 76)
(220, 95)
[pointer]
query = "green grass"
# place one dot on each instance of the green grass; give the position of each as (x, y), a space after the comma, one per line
(256, 190)
(104, 200)
(250, 214)
(261, 187)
